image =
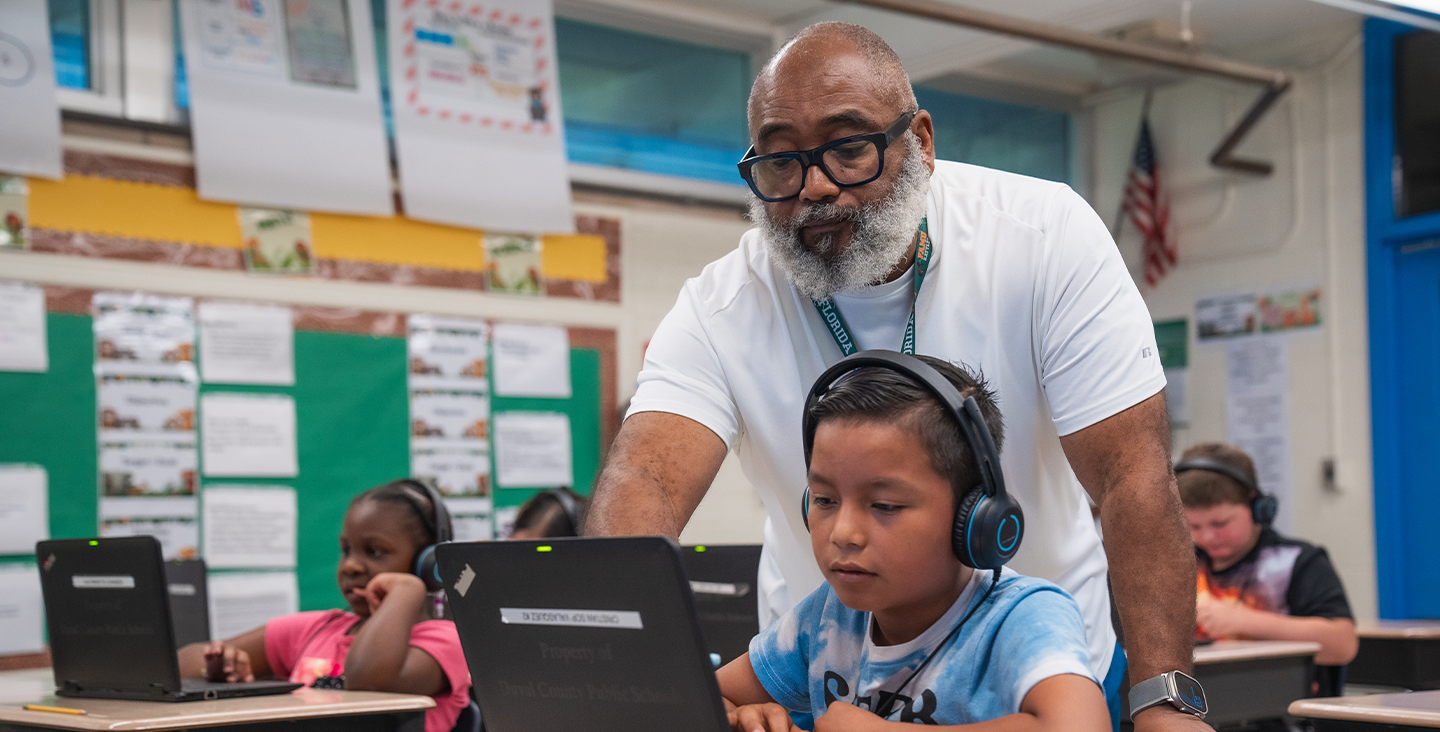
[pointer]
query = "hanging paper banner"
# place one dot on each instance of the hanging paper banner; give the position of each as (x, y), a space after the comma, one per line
(285, 104)
(29, 111)
(476, 102)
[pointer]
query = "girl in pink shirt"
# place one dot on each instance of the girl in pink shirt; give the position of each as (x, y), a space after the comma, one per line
(385, 641)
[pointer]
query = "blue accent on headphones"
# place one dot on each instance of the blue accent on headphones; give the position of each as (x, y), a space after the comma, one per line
(1263, 506)
(983, 511)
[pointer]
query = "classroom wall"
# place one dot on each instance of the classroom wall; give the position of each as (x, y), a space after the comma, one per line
(1301, 226)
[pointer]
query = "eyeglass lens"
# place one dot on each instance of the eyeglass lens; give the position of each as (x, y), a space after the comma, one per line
(848, 163)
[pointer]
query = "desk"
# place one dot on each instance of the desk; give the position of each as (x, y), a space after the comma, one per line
(1413, 711)
(1252, 680)
(303, 710)
(1403, 653)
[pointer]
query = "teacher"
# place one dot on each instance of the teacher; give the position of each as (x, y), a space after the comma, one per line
(1014, 277)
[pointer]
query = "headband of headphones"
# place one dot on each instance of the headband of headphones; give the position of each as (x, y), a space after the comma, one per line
(439, 514)
(965, 410)
(567, 502)
(1263, 506)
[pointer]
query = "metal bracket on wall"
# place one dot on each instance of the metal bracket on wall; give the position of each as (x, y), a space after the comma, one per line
(1274, 82)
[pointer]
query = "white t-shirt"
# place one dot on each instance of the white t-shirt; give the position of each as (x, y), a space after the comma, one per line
(1025, 286)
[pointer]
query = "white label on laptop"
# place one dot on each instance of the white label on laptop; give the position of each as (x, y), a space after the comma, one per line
(183, 590)
(103, 581)
(720, 588)
(576, 618)
(467, 576)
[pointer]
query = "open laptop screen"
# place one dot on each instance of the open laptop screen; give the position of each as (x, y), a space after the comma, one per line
(581, 634)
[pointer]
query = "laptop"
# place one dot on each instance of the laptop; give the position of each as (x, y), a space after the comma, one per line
(189, 601)
(111, 637)
(572, 634)
(724, 579)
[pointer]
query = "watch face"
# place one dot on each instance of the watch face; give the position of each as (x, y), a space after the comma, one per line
(1188, 692)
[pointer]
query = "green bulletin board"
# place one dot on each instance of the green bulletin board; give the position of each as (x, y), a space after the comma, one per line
(352, 420)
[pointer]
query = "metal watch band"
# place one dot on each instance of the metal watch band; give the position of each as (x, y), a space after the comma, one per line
(1160, 690)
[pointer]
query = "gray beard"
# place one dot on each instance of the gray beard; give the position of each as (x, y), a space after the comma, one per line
(880, 236)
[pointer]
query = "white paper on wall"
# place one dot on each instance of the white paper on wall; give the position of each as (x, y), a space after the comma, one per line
(453, 472)
(473, 518)
(141, 469)
(172, 520)
(29, 109)
(532, 360)
(532, 450)
(285, 104)
(448, 353)
(242, 601)
(24, 508)
(137, 333)
(457, 420)
(23, 343)
(476, 103)
(249, 526)
(246, 344)
(22, 610)
(248, 435)
(145, 408)
(505, 521)
(1257, 412)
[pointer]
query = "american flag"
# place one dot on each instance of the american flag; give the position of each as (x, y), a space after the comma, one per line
(1146, 207)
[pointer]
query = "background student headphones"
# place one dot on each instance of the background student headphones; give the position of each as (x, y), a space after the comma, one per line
(1263, 506)
(989, 523)
(437, 519)
(540, 515)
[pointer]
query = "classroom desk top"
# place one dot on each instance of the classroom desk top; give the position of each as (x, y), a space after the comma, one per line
(1402, 629)
(1227, 651)
(1419, 709)
(115, 714)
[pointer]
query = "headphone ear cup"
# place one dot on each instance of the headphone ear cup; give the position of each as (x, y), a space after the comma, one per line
(1264, 509)
(805, 508)
(988, 530)
(960, 532)
(427, 569)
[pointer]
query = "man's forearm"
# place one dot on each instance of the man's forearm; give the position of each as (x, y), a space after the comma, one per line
(1152, 572)
(628, 502)
(658, 470)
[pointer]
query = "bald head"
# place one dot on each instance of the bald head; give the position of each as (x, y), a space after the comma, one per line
(821, 45)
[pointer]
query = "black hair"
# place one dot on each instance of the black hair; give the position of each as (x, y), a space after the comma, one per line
(419, 509)
(877, 394)
(546, 513)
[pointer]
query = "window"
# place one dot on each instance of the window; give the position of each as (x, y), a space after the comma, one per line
(70, 36)
(1417, 122)
(652, 104)
(1010, 137)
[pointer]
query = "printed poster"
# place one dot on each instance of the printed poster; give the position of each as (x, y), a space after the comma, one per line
(171, 520)
(29, 109)
(242, 601)
(532, 450)
(24, 507)
(448, 353)
(248, 435)
(285, 105)
(249, 526)
(23, 342)
(1257, 411)
(532, 361)
(147, 469)
(145, 408)
(1279, 310)
(513, 264)
(475, 88)
(22, 610)
(14, 212)
(276, 241)
(453, 472)
(449, 419)
(137, 333)
(247, 344)
(472, 518)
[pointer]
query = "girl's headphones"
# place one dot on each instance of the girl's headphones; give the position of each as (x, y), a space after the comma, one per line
(567, 503)
(424, 566)
(988, 523)
(1263, 506)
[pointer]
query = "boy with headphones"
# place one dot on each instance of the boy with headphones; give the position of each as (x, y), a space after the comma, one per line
(1251, 581)
(905, 503)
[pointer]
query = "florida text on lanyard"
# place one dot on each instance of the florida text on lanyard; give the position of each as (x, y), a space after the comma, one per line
(836, 322)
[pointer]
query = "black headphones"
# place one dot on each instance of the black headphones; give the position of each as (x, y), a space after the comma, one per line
(1263, 506)
(424, 566)
(988, 522)
(567, 502)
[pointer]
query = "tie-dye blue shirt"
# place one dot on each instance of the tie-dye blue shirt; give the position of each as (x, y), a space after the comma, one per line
(1026, 631)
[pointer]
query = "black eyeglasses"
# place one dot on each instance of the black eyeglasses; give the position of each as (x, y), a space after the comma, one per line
(848, 161)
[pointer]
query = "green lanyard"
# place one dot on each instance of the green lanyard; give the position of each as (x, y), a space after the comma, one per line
(836, 322)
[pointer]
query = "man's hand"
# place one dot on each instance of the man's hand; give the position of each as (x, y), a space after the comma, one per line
(845, 717)
(1223, 619)
(225, 662)
(1166, 718)
(767, 717)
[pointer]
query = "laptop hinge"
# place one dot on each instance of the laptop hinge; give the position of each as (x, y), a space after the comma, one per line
(157, 692)
(69, 687)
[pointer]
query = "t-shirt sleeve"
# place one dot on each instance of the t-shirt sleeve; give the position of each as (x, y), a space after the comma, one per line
(1042, 636)
(440, 639)
(1097, 348)
(285, 637)
(779, 654)
(1315, 590)
(682, 373)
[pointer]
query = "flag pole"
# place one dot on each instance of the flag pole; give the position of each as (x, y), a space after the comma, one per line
(1120, 212)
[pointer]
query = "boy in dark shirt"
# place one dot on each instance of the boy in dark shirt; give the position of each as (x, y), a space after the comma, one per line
(1251, 581)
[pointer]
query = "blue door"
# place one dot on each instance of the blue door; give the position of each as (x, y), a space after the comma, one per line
(1403, 259)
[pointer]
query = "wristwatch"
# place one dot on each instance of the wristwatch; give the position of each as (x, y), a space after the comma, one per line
(1179, 689)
